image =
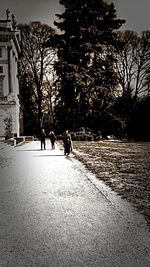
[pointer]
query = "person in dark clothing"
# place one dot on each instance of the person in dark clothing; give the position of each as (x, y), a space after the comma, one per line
(67, 143)
(52, 137)
(43, 135)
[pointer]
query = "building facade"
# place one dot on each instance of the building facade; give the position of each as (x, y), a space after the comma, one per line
(9, 85)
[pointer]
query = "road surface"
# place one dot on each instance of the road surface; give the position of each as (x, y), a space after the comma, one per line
(54, 214)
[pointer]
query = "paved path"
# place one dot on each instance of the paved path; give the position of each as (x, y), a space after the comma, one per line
(51, 215)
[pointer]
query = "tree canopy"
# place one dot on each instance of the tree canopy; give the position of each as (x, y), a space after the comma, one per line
(85, 65)
(35, 69)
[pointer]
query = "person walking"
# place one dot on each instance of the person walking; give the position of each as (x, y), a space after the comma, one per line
(52, 137)
(67, 143)
(43, 136)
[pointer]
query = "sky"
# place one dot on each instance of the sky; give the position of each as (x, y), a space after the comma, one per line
(135, 12)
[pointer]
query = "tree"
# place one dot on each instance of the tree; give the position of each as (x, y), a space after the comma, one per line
(133, 68)
(85, 66)
(138, 125)
(35, 65)
(28, 106)
(133, 63)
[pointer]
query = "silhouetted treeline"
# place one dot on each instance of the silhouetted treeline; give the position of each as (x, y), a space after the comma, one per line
(101, 75)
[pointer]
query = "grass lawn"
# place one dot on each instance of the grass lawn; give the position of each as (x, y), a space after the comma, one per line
(124, 166)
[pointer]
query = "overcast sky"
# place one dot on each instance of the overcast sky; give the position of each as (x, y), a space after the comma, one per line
(136, 12)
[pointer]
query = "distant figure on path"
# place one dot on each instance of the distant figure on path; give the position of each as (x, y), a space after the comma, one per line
(43, 135)
(67, 143)
(52, 137)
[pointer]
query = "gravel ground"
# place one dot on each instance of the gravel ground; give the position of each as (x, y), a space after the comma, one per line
(6, 154)
(123, 166)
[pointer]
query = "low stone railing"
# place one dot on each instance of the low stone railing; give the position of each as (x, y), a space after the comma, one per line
(14, 141)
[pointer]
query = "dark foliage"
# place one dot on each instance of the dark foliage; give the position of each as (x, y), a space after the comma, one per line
(138, 124)
(85, 63)
(28, 106)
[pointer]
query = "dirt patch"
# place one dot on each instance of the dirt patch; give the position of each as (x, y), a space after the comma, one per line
(124, 166)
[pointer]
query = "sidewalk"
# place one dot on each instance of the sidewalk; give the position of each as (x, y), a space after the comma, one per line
(53, 213)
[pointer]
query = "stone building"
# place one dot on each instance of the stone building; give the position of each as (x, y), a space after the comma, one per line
(9, 85)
